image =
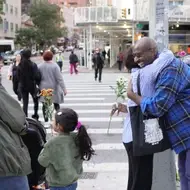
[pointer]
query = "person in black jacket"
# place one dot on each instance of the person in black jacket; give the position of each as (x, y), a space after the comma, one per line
(73, 63)
(12, 75)
(98, 61)
(29, 77)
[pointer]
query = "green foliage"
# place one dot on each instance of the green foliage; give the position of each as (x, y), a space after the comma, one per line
(47, 20)
(1, 8)
(26, 37)
(46, 29)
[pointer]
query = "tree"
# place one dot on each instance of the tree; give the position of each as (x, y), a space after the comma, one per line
(1, 8)
(26, 37)
(47, 21)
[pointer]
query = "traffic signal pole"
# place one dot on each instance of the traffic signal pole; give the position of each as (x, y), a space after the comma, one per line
(158, 22)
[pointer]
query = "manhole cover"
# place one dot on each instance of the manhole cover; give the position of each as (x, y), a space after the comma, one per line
(89, 175)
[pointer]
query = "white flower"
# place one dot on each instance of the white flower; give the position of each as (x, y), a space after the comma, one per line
(121, 80)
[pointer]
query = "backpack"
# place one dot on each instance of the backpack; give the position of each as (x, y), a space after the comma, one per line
(120, 57)
(35, 139)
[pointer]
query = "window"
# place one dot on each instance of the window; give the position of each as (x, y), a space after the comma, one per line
(6, 7)
(16, 27)
(16, 11)
(173, 4)
(12, 27)
(11, 9)
(129, 11)
(6, 25)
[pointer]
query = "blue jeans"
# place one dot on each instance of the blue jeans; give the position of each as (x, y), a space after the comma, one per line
(14, 183)
(70, 187)
(184, 169)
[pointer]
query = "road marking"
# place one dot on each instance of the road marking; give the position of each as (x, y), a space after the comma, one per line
(81, 111)
(109, 146)
(86, 104)
(90, 94)
(90, 90)
(105, 167)
(96, 119)
(76, 99)
(97, 131)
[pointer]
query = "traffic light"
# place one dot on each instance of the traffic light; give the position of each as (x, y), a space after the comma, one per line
(124, 13)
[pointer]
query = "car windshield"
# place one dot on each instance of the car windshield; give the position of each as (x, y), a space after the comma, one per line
(7, 53)
(17, 52)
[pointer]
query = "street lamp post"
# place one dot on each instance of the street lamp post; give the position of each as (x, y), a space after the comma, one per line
(158, 22)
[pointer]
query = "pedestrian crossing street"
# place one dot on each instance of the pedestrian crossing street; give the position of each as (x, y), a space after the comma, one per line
(93, 101)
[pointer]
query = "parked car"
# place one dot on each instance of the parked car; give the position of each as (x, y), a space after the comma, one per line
(81, 46)
(8, 58)
(69, 48)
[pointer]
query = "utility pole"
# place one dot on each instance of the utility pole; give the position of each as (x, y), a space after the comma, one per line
(158, 22)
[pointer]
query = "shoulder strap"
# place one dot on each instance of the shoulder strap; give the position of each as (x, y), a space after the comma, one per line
(138, 85)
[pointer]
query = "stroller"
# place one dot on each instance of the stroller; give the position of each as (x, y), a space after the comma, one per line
(35, 140)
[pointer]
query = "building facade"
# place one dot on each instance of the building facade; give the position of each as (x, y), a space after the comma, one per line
(11, 20)
(76, 3)
(25, 6)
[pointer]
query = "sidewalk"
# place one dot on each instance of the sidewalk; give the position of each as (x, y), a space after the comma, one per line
(82, 69)
(105, 181)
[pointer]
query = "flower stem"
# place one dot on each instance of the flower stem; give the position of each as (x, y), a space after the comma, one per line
(109, 125)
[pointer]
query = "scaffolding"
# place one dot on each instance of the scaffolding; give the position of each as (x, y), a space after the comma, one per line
(105, 26)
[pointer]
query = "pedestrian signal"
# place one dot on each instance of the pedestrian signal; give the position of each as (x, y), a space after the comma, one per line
(124, 13)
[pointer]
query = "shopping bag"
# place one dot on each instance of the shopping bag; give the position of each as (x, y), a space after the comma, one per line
(149, 132)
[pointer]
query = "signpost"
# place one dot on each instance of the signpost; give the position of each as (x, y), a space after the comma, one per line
(158, 22)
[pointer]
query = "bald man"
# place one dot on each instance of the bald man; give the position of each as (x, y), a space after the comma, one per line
(172, 100)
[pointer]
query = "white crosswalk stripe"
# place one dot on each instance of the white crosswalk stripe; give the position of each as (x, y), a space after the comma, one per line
(93, 102)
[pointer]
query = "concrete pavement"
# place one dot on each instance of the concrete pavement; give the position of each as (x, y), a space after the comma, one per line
(108, 169)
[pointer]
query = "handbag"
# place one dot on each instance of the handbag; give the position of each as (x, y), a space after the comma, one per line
(149, 133)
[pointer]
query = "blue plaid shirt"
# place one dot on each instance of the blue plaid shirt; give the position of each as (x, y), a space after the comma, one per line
(172, 99)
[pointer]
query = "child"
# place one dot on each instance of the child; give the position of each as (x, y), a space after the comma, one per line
(64, 154)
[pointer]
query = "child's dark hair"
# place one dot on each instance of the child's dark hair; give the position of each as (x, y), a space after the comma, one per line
(69, 119)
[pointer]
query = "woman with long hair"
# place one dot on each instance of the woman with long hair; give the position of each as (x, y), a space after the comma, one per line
(51, 78)
(28, 78)
(12, 75)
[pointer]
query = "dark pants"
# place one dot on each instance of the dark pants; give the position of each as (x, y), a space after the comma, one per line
(25, 97)
(140, 170)
(16, 87)
(98, 74)
(60, 63)
(56, 107)
(184, 169)
(120, 63)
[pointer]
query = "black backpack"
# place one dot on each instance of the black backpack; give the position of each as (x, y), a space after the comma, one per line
(35, 140)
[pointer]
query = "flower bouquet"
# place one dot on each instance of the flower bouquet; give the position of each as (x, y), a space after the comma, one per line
(120, 92)
(47, 94)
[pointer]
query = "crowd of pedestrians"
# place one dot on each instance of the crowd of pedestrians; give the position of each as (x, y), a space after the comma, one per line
(156, 125)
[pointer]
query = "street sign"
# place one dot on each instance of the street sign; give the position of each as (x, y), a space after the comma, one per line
(158, 22)
(139, 26)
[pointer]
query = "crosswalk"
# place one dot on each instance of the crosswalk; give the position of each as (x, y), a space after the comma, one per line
(93, 101)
